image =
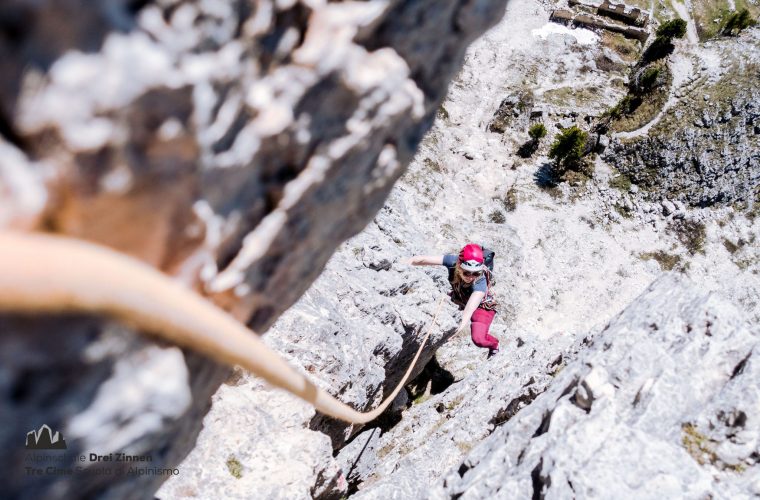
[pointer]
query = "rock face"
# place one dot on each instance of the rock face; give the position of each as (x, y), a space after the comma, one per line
(233, 145)
(436, 433)
(566, 263)
(707, 150)
(354, 331)
(663, 403)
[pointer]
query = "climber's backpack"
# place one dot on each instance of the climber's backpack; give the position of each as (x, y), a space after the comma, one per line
(488, 256)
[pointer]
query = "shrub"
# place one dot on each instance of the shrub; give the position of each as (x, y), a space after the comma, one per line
(662, 45)
(675, 28)
(692, 234)
(568, 148)
(497, 217)
(648, 79)
(667, 261)
(738, 21)
(510, 200)
(621, 108)
(537, 131)
(235, 467)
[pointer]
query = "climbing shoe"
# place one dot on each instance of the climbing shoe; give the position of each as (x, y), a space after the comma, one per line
(492, 353)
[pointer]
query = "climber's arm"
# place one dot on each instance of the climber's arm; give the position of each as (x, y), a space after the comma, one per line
(424, 260)
(469, 309)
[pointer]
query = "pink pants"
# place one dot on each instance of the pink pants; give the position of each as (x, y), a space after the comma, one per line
(481, 322)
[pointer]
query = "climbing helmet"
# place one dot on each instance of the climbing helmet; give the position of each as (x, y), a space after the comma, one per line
(471, 257)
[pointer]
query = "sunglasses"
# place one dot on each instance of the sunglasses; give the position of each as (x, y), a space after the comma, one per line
(468, 273)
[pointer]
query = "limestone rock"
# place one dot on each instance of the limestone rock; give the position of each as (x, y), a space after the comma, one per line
(233, 145)
(662, 404)
(690, 155)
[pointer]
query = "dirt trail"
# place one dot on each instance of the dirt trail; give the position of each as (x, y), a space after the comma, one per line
(684, 12)
(680, 66)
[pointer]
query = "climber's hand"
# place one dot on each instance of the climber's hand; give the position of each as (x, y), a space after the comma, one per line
(406, 261)
(462, 328)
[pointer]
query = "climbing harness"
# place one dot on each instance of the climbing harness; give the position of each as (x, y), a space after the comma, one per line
(458, 294)
(53, 274)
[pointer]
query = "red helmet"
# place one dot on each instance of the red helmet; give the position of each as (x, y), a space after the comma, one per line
(471, 257)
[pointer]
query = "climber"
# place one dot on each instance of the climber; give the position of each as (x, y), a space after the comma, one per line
(470, 281)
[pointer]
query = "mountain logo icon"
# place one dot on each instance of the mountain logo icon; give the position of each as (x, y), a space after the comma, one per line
(44, 439)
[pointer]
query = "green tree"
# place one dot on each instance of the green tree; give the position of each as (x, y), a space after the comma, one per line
(675, 28)
(537, 131)
(738, 21)
(568, 148)
(648, 79)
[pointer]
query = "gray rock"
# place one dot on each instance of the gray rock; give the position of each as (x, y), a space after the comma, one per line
(437, 433)
(668, 207)
(508, 110)
(602, 143)
(691, 155)
(231, 146)
(707, 120)
(627, 204)
(657, 406)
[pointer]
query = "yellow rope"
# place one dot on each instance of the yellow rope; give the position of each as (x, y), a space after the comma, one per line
(45, 273)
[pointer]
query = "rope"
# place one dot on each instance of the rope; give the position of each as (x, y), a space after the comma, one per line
(53, 274)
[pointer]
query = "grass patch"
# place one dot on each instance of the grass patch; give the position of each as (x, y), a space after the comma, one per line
(432, 165)
(710, 16)
(730, 246)
(702, 449)
(623, 211)
(691, 234)
(234, 467)
(447, 230)
(734, 84)
(571, 97)
(454, 403)
(465, 447)
(663, 11)
(621, 182)
(421, 399)
(636, 110)
(577, 179)
(666, 261)
(497, 217)
(628, 50)
(699, 446)
(383, 452)
(510, 200)
(604, 63)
